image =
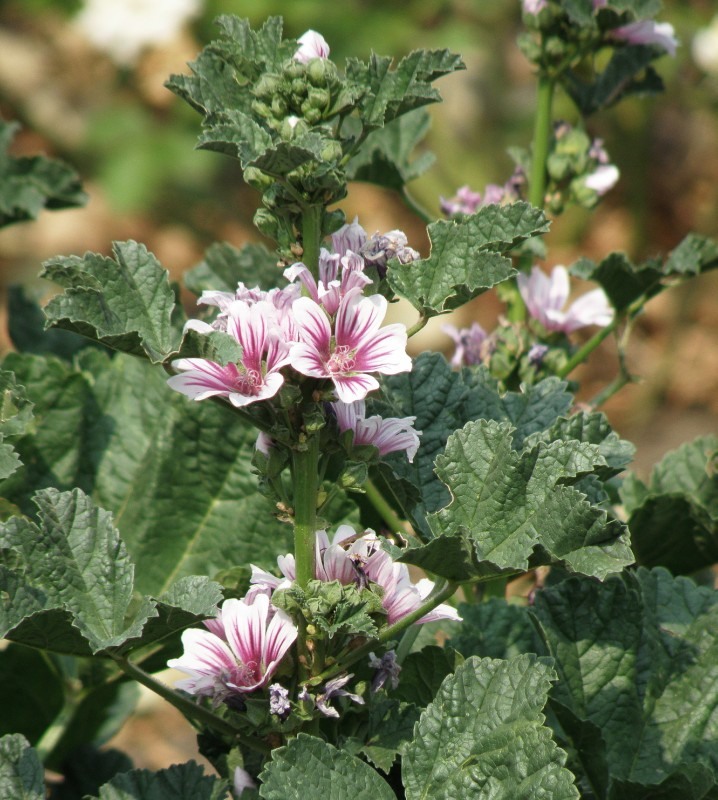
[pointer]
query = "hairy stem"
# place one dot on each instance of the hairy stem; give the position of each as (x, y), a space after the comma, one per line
(312, 238)
(541, 139)
(305, 477)
(586, 349)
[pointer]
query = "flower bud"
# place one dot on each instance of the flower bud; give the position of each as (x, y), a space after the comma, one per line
(332, 151)
(267, 87)
(279, 106)
(319, 98)
(294, 69)
(261, 109)
(321, 72)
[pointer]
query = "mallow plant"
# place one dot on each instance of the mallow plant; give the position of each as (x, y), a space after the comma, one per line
(318, 532)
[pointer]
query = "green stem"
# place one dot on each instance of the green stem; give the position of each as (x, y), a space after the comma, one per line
(585, 350)
(416, 207)
(52, 735)
(406, 643)
(305, 476)
(188, 707)
(312, 238)
(384, 509)
(417, 326)
(541, 139)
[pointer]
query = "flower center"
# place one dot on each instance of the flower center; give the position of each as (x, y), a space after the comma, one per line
(245, 674)
(342, 359)
(248, 381)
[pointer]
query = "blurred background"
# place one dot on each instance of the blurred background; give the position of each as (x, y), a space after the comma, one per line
(85, 80)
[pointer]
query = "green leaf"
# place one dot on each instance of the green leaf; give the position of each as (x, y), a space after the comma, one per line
(496, 629)
(627, 73)
(673, 520)
(625, 282)
(423, 672)
(21, 776)
(227, 65)
(15, 417)
(29, 184)
(389, 726)
(309, 767)
(178, 782)
(467, 257)
(390, 93)
(74, 560)
(87, 770)
(217, 346)
(484, 736)
(236, 134)
(224, 266)
(126, 303)
(31, 692)
(591, 428)
(443, 400)
(385, 157)
(637, 658)
(511, 510)
(157, 461)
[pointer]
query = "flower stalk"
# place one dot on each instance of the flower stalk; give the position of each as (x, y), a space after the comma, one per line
(311, 238)
(541, 140)
(305, 477)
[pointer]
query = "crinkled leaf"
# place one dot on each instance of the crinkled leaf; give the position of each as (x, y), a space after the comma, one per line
(385, 157)
(21, 775)
(225, 67)
(178, 782)
(637, 658)
(467, 257)
(236, 134)
(216, 346)
(74, 560)
(309, 767)
(15, 417)
(154, 459)
(389, 93)
(224, 266)
(126, 303)
(496, 629)
(592, 428)
(673, 520)
(627, 73)
(484, 735)
(533, 410)
(625, 282)
(29, 184)
(26, 326)
(513, 510)
(443, 400)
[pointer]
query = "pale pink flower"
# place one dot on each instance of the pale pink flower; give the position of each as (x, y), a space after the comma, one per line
(387, 434)
(256, 377)
(254, 638)
(242, 780)
(466, 201)
(602, 179)
(648, 31)
(330, 290)
(356, 347)
(381, 248)
(311, 45)
(545, 297)
(352, 559)
(534, 6)
(473, 344)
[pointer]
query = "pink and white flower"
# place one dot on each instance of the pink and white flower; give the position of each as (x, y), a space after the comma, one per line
(330, 291)
(256, 376)
(311, 45)
(242, 780)
(545, 297)
(240, 653)
(387, 434)
(356, 347)
(352, 559)
(648, 31)
(534, 6)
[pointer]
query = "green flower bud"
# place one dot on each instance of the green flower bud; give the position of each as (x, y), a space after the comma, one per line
(311, 115)
(257, 179)
(261, 109)
(279, 106)
(299, 87)
(319, 98)
(321, 72)
(267, 87)
(294, 69)
(332, 151)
